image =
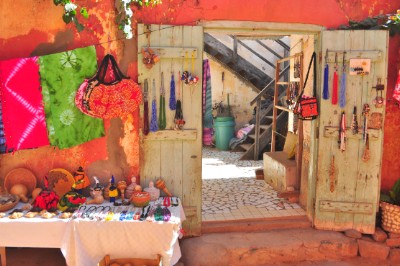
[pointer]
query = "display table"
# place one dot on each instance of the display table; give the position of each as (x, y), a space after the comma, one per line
(86, 241)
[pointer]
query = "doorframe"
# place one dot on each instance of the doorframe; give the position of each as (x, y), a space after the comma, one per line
(252, 28)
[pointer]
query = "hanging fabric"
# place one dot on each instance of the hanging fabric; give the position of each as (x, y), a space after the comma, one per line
(178, 119)
(207, 101)
(153, 121)
(342, 100)
(22, 108)
(3, 147)
(335, 83)
(162, 123)
(325, 93)
(354, 122)
(146, 128)
(172, 99)
(396, 93)
(342, 132)
(61, 74)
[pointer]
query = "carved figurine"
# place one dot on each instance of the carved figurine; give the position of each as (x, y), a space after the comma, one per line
(160, 184)
(96, 193)
(130, 188)
(154, 192)
(81, 180)
(112, 191)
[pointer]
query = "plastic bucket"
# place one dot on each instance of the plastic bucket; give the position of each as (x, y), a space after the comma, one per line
(224, 132)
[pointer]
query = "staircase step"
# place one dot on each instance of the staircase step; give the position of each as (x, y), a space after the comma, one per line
(252, 136)
(255, 225)
(246, 146)
(291, 196)
(265, 127)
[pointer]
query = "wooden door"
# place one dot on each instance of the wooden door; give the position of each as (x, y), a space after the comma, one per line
(347, 187)
(174, 155)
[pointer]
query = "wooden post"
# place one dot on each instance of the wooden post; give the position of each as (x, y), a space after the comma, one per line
(257, 130)
(3, 256)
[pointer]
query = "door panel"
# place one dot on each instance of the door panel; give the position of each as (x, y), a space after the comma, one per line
(347, 188)
(175, 155)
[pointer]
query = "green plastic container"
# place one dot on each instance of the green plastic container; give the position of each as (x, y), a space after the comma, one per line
(224, 131)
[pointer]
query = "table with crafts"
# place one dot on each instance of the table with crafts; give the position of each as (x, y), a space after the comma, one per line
(91, 233)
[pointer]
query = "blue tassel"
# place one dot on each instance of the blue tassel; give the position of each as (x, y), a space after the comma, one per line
(325, 93)
(172, 99)
(153, 122)
(342, 96)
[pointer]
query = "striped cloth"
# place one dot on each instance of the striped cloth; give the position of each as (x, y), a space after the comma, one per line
(207, 101)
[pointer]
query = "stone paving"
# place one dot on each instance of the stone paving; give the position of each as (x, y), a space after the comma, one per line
(231, 191)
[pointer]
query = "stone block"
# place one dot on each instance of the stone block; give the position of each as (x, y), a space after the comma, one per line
(379, 235)
(352, 233)
(373, 250)
(393, 242)
(394, 255)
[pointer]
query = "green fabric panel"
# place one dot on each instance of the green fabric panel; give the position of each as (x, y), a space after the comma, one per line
(61, 74)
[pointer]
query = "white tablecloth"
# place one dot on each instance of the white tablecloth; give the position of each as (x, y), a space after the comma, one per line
(86, 242)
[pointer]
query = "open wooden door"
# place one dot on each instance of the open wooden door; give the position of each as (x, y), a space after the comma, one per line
(174, 155)
(348, 182)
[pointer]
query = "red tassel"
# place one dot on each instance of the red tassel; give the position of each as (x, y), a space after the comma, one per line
(335, 88)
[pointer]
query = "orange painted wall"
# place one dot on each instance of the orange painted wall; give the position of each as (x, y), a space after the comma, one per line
(34, 27)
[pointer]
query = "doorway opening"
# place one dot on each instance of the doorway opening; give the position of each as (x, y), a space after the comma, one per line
(230, 188)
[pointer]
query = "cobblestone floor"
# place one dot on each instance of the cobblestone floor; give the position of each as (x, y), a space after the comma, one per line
(231, 191)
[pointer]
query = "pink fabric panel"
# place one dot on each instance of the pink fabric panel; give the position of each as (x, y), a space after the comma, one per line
(23, 115)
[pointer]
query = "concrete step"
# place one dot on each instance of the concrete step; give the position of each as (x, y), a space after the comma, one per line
(255, 225)
(275, 247)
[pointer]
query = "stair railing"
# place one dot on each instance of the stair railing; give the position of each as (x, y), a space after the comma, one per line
(258, 111)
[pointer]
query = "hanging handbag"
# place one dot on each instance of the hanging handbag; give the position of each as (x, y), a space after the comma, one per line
(108, 99)
(306, 107)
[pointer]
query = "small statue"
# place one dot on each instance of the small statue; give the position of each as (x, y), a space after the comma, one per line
(121, 185)
(81, 180)
(154, 192)
(96, 193)
(130, 188)
(112, 191)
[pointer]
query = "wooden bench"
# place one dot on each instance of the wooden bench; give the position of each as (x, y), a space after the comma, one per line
(107, 261)
(279, 171)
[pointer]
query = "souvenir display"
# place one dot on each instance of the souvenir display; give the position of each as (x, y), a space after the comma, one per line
(62, 74)
(178, 119)
(2, 214)
(46, 199)
(81, 180)
(379, 87)
(325, 93)
(121, 185)
(60, 181)
(172, 99)
(140, 199)
(112, 190)
(71, 200)
(342, 133)
(154, 192)
(153, 121)
(20, 176)
(360, 66)
(21, 191)
(131, 188)
(162, 123)
(150, 58)
(335, 82)
(342, 94)
(8, 201)
(16, 214)
(96, 193)
(160, 184)
(146, 128)
(31, 214)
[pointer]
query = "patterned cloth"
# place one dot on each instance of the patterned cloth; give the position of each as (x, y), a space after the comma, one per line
(22, 108)
(207, 103)
(61, 75)
(3, 147)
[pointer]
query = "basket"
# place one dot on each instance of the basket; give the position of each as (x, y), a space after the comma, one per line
(390, 217)
(140, 199)
(9, 205)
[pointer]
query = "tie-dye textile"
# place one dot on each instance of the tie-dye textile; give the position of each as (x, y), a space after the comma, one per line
(22, 107)
(61, 75)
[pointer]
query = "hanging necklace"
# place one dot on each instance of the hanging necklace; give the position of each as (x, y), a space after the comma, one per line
(161, 119)
(153, 122)
(146, 128)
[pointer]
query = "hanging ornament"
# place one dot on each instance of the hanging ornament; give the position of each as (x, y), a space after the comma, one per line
(335, 83)
(342, 132)
(172, 100)
(178, 119)
(342, 99)
(146, 128)
(153, 122)
(325, 93)
(161, 118)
